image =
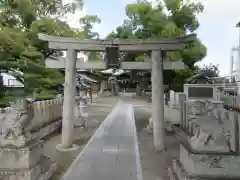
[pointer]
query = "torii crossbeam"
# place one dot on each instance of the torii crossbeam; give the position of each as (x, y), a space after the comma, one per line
(158, 62)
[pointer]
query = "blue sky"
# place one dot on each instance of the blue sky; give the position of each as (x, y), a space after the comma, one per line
(216, 30)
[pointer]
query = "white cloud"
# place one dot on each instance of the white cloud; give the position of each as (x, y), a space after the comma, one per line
(73, 19)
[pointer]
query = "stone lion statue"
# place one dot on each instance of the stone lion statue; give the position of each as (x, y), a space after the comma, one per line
(15, 122)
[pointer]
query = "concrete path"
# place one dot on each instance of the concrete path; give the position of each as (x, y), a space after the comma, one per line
(112, 153)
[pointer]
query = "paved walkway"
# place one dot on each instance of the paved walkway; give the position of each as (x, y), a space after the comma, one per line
(112, 153)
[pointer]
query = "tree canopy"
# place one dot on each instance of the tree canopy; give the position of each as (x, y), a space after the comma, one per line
(210, 70)
(22, 54)
(168, 18)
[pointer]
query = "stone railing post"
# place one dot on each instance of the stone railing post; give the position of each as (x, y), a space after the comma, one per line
(48, 110)
(182, 99)
(82, 105)
(38, 112)
(171, 99)
(50, 117)
(234, 142)
(42, 110)
(45, 110)
(186, 115)
(57, 107)
(77, 113)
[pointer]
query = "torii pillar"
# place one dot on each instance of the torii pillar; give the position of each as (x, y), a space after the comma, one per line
(158, 100)
(69, 100)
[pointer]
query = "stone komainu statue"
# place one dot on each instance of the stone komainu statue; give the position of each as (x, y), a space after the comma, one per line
(15, 122)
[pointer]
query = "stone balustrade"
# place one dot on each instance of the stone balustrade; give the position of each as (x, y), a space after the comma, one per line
(45, 113)
(23, 127)
(231, 101)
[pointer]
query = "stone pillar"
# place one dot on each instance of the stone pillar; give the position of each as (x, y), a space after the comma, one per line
(138, 90)
(69, 99)
(82, 106)
(182, 99)
(234, 142)
(78, 119)
(82, 102)
(171, 99)
(157, 100)
(103, 86)
(185, 115)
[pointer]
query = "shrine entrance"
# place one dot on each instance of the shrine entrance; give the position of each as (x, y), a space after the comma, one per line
(157, 48)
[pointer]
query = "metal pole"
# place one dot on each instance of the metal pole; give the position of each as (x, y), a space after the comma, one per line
(231, 62)
(238, 49)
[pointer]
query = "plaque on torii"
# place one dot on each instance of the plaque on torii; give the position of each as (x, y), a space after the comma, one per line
(158, 49)
(112, 57)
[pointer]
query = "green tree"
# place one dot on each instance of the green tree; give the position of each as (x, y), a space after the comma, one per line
(169, 18)
(22, 54)
(88, 22)
(210, 70)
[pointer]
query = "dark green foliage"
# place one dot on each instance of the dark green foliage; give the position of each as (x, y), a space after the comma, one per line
(167, 19)
(22, 55)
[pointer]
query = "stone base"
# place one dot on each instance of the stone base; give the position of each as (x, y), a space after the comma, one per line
(20, 158)
(212, 165)
(73, 148)
(42, 171)
(177, 172)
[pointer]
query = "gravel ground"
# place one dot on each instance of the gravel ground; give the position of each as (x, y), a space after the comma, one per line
(154, 165)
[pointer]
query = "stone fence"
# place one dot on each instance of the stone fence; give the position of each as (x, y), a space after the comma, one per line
(22, 129)
(46, 114)
(231, 101)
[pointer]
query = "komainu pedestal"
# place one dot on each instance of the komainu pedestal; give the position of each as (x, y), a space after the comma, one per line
(20, 152)
(208, 147)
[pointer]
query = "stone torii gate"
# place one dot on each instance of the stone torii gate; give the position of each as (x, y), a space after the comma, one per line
(158, 49)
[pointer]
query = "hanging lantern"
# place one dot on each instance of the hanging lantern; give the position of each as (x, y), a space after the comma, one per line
(112, 57)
